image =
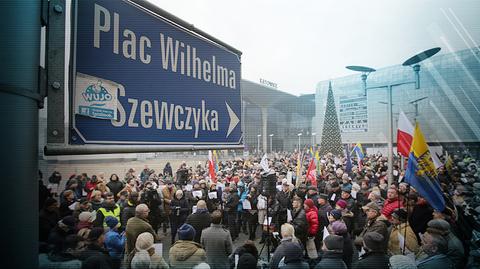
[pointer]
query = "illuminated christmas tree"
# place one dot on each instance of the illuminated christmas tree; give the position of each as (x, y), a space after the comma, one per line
(331, 138)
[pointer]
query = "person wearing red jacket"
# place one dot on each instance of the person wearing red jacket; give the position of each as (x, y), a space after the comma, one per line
(391, 203)
(311, 212)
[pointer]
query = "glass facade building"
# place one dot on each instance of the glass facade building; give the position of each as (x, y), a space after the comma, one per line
(284, 115)
(449, 115)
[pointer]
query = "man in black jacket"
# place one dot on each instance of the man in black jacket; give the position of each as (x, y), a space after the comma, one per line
(231, 208)
(199, 220)
(332, 253)
(95, 255)
(374, 256)
(299, 220)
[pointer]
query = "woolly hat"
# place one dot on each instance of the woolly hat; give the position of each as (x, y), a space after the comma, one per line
(293, 252)
(342, 203)
(111, 222)
(400, 214)
(373, 241)
(87, 216)
(438, 226)
(323, 196)
(95, 233)
(186, 232)
(372, 205)
(402, 262)
(247, 261)
(68, 221)
(339, 227)
(309, 203)
(334, 243)
(144, 241)
(336, 214)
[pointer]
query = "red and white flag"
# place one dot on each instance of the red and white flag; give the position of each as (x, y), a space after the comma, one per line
(404, 135)
(211, 167)
(312, 172)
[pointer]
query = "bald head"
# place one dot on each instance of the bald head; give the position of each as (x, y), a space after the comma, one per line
(201, 204)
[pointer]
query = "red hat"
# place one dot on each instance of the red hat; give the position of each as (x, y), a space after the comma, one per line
(309, 203)
(342, 203)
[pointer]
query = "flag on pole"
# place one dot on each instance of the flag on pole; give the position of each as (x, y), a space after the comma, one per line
(404, 135)
(358, 151)
(348, 166)
(312, 172)
(421, 173)
(211, 167)
(264, 163)
(215, 160)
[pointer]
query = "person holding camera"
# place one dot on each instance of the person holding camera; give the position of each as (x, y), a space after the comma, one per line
(152, 199)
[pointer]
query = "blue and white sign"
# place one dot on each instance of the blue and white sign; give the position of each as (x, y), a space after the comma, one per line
(95, 97)
(173, 86)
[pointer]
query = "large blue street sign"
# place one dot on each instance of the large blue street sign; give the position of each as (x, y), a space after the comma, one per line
(174, 87)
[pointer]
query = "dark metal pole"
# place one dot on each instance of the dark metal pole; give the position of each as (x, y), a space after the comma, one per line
(19, 101)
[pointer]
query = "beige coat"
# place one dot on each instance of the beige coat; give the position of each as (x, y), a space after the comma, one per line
(410, 239)
(186, 254)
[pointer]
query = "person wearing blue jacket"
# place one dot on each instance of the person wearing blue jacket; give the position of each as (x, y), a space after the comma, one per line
(241, 217)
(114, 241)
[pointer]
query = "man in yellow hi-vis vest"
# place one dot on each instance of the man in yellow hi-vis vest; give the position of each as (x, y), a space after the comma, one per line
(108, 208)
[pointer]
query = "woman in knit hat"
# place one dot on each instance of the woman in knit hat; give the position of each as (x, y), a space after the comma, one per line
(340, 228)
(145, 255)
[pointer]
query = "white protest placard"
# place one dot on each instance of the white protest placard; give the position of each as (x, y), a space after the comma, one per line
(289, 177)
(246, 204)
(333, 197)
(289, 215)
(188, 187)
(194, 209)
(279, 187)
(72, 206)
(212, 195)
(158, 248)
(220, 186)
(325, 232)
(197, 194)
(269, 221)
(354, 194)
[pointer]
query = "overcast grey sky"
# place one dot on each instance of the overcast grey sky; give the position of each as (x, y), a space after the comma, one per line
(299, 43)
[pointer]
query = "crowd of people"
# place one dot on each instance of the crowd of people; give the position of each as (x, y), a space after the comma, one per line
(350, 217)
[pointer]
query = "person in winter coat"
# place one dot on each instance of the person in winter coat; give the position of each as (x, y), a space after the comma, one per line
(288, 236)
(374, 256)
(247, 248)
(293, 257)
(114, 241)
(66, 258)
(339, 228)
(402, 262)
(231, 209)
(167, 193)
(241, 216)
(69, 199)
(95, 256)
(324, 209)
(85, 220)
(145, 256)
(373, 224)
(129, 209)
(64, 227)
(299, 220)
(455, 250)
(115, 185)
(401, 227)
(108, 208)
(179, 212)
(199, 220)
(91, 185)
(167, 170)
(136, 226)
(391, 203)
(311, 213)
(217, 242)
(186, 253)
(48, 218)
(435, 247)
(332, 253)
(252, 214)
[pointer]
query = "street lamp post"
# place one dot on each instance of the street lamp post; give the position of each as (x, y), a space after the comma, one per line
(271, 144)
(313, 138)
(413, 61)
(299, 134)
(415, 103)
(258, 142)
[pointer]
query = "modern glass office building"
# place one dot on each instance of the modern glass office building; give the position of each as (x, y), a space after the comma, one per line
(447, 105)
(273, 119)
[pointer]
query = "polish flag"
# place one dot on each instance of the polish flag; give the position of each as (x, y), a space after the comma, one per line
(211, 167)
(404, 135)
(311, 172)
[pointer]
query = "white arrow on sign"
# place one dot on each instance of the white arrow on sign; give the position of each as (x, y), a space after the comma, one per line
(233, 119)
